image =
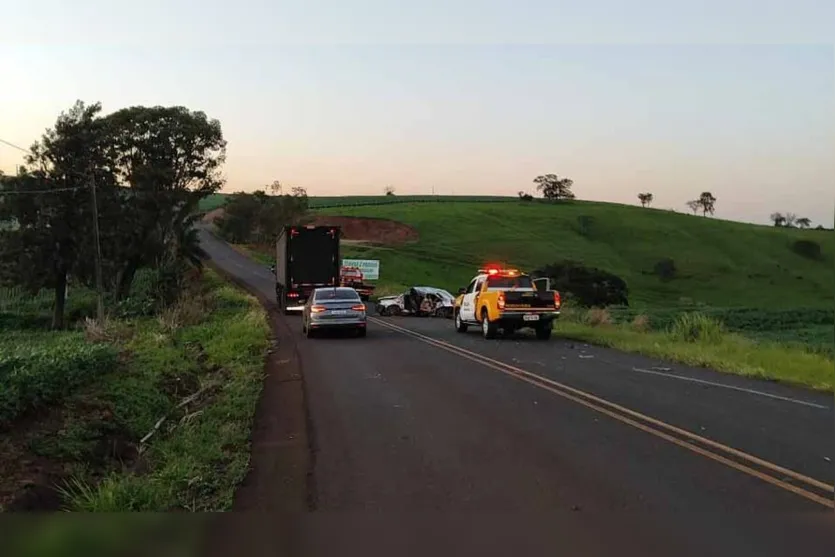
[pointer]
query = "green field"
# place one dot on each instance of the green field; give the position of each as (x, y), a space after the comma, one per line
(719, 263)
(219, 199)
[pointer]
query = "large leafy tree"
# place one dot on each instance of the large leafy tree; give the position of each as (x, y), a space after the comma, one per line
(168, 158)
(51, 207)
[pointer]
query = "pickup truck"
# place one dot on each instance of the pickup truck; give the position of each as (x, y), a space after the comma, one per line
(353, 277)
(506, 299)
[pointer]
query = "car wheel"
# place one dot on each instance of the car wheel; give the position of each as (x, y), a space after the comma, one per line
(460, 326)
(488, 330)
(361, 332)
(310, 333)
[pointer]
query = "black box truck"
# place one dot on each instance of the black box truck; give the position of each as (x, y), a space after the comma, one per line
(306, 258)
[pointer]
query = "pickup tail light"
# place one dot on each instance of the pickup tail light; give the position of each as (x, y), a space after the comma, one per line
(557, 300)
(358, 307)
(500, 303)
(317, 309)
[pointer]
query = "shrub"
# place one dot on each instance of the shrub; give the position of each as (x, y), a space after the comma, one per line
(697, 327)
(585, 224)
(666, 269)
(588, 286)
(807, 249)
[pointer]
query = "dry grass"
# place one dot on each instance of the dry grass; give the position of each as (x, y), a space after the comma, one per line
(641, 323)
(191, 308)
(597, 317)
(109, 331)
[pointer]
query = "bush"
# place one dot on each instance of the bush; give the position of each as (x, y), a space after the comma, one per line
(666, 269)
(585, 225)
(697, 327)
(807, 249)
(588, 286)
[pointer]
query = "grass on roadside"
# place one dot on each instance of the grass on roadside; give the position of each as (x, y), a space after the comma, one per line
(164, 427)
(699, 340)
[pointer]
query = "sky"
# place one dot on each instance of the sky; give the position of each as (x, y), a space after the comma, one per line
(672, 98)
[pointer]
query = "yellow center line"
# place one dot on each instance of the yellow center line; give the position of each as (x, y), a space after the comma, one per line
(589, 400)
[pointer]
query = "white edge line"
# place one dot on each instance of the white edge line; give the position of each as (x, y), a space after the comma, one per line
(722, 385)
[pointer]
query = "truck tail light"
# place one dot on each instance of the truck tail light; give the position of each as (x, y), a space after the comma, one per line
(292, 294)
(557, 300)
(500, 301)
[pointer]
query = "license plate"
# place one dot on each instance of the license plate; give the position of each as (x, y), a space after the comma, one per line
(530, 317)
(341, 312)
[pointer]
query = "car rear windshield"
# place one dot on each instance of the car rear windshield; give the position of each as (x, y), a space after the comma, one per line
(337, 295)
(509, 282)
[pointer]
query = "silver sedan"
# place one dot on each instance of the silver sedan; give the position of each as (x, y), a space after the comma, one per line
(334, 308)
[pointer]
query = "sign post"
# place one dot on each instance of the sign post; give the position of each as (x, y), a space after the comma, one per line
(370, 267)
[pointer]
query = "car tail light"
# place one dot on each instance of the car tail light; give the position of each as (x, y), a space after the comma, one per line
(292, 294)
(358, 307)
(557, 300)
(500, 301)
(317, 309)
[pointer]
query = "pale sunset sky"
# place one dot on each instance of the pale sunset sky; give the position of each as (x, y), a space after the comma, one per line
(466, 97)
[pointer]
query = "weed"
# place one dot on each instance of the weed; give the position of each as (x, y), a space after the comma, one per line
(697, 327)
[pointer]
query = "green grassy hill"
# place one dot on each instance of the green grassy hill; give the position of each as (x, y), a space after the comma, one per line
(219, 199)
(720, 263)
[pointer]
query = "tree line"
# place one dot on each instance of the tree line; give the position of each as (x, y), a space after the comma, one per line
(257, 217)
(120, 190)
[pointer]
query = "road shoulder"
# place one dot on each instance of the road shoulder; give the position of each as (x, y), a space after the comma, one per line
(280, 465)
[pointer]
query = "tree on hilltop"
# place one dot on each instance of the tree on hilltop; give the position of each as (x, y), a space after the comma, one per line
(645, 199)
(803, 222)
(706, 203)
(554, 188)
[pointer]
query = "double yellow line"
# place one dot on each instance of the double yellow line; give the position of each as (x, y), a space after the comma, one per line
(809, 488)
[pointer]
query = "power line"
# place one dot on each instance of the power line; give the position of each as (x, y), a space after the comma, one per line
(24, 192)
(13, 146)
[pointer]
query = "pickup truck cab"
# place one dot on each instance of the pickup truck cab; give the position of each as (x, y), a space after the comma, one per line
(506, 299)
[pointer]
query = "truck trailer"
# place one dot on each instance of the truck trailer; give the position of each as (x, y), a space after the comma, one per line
(306, 258)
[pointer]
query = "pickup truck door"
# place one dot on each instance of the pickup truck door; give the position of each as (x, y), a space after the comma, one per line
(468, 303)
(542, 284)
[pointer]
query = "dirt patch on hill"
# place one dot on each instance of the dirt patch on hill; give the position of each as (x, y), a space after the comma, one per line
(370, 230)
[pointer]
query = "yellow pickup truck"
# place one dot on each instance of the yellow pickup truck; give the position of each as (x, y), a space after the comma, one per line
(506, 299)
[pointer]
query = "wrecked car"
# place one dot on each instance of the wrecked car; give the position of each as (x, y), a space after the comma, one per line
(421, 301)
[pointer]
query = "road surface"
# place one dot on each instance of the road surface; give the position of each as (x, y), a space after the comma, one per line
(416, 418)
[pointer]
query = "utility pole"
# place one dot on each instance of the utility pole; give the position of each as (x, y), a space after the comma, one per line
(99, 280)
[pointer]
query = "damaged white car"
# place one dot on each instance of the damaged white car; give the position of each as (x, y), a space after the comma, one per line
(421, 301)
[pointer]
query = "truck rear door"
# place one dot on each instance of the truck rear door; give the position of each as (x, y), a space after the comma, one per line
(314, 256)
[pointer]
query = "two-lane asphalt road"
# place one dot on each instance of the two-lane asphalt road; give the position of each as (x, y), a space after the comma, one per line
(416, 417)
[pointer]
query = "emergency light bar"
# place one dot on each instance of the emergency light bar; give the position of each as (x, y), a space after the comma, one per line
(493, 271)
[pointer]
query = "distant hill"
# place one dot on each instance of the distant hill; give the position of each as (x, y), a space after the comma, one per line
(721, 263)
